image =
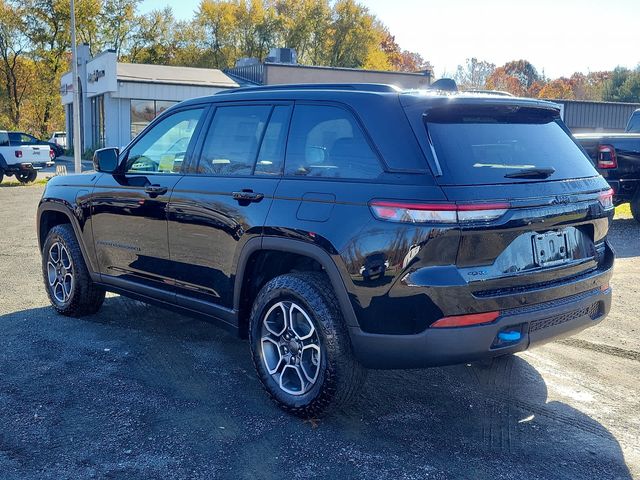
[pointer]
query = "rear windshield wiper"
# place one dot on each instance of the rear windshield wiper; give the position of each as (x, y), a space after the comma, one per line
(532, 173)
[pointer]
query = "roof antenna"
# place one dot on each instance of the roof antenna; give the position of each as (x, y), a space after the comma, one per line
(444, 84)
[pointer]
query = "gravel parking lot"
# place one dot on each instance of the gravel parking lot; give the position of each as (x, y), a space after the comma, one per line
(139, 392)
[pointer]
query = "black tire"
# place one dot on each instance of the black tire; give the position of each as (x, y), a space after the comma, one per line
(635, 207)
(1, 176)
(75, 297)
(339, 376)
(27, 177)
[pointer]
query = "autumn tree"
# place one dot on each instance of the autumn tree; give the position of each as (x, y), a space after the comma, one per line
(474, 74)
(14, 65)
(560, 88)
(622, 86)
(117, 23)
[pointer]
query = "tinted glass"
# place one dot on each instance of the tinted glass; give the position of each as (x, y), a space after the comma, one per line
(4, 139)
(14, 138)
(142, 114)
(326, 141)
(271, 156)
(634, 123)
(231, 145)
(482, 147)
(163, 148)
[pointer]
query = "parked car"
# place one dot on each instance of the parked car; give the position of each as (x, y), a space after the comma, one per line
(617, 157)
(21, 138)
(59, 138)
(481, 220)
(20, 159)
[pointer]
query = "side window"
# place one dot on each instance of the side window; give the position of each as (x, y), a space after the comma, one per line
(231, 145)
(271, 156)
(163, 148)
(326, 141)
(4, 139)
(14, 138)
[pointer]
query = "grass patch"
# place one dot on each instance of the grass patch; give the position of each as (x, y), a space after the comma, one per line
(623, 211)
(13, 183)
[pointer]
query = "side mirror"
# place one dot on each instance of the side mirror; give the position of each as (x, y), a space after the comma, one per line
(106, 160)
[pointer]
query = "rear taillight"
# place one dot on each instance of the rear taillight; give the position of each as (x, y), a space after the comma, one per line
(52, 155)
(606, 199)
(466, 320)
(436, 212)
(607, 157)
(18, 153)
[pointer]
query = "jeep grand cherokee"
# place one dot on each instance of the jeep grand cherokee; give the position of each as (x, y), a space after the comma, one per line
(342, 227)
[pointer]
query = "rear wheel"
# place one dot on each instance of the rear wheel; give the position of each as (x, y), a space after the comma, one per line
(66, 278)
(300, 345)
(635, 207)
(1, 176)
(27, 177)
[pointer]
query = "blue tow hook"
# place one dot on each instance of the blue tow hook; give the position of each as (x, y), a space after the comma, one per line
(512, 336)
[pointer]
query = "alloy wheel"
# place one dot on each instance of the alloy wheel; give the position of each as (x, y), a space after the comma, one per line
(60, 272)
(290, 347)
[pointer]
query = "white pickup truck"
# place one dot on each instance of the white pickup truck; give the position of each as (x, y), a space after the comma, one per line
(23, 161)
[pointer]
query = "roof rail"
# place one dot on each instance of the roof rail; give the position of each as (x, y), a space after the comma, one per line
(365, 87)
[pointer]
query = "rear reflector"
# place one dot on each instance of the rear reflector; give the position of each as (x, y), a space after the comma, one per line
(466, 320)
(607, 157)
(606, 199)
(410, 212)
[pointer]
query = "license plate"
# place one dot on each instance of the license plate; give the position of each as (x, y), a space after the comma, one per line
(550, 248)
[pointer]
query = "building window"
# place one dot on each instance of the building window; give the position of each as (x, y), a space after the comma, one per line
(144, 111)
(97, 121)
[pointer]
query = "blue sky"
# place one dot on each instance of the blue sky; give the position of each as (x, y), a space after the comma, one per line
(557, 36)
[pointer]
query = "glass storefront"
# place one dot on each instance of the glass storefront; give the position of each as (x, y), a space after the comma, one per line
(144, 111)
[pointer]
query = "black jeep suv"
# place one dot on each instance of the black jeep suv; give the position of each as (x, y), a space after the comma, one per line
(342, 227)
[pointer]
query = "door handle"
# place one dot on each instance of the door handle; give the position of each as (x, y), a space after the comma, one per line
(155, 190)
(246, 196)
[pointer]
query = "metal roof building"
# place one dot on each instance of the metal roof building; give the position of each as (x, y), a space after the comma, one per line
(583, 116)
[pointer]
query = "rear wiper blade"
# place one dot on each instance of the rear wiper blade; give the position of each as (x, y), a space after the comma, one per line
(532, 173)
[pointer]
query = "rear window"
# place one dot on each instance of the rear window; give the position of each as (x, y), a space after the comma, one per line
(481, 146)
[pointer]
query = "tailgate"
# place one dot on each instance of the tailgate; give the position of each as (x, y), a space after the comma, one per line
(552, 231)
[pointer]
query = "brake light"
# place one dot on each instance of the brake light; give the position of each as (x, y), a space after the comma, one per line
(52, 155)
(18, 153)
(466, 320)
(409, 212)
(606, 199)
(607, 157)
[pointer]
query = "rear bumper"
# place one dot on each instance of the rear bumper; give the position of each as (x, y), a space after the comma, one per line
(27, 166)
(537, 324)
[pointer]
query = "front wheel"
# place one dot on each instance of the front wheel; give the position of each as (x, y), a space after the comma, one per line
(300, 345)
(66, 278)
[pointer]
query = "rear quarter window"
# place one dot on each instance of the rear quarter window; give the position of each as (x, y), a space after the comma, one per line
(481, 147)
(326, 141)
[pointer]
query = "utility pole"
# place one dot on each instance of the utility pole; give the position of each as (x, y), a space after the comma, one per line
(77, 143)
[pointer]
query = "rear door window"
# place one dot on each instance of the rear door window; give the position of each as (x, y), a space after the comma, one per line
(326, 141)
(232, 142)
(481, 146)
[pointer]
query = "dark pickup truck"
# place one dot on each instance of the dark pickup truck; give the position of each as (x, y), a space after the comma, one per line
(617, 157)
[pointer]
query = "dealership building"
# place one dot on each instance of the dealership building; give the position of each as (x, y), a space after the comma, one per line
(117, 100)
